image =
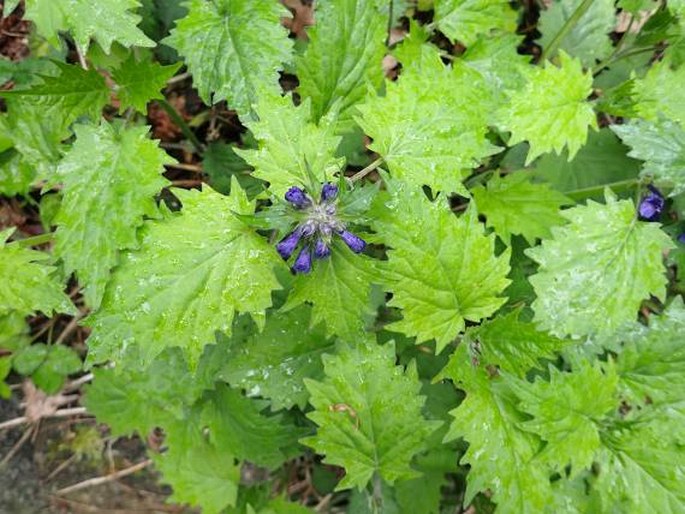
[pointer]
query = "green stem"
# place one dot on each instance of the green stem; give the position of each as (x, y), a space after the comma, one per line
(363, 173)
(617, 49)
(590, 191)
(377, 495)
(181, 123)
(480, 178)
(568, 26)
(34, 241)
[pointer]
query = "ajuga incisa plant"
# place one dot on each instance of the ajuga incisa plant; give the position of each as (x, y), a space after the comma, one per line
(420, 256)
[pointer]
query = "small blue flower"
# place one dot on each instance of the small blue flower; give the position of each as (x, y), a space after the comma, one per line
(288, 244)
(315, 232)
(329, 192)
(303, 263)
(297, 197)
(651, 205)
(681, 238)
(356, 243)
(321, 249)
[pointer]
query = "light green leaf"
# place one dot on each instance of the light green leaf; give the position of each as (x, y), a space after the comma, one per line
(465, 20)
(602, 161)
(641, 465)
(289, 144)
(442, 270)
(346, 46)
(568, 410)
(60, 362)
(369, 415)
(273, 362)
(28, 359)
(200, 472)
(39, 118)
(661, 145)
(13, 331)
(430, 127)
(510, 344)
(106, 196)
(233, 48)
(339, 289)
(500, 454)
(551, 112)
(635, 6)
(106, 21)
(130, 399)
(660, 93)
(652, 363)
(588, 40)
(28, 284)
(16, 174)
(236, 425)
(140, 82)
(193, 271)
(597, 269)
(513, 205)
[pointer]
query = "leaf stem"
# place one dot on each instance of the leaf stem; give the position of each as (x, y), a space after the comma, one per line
(619, 46)
(181, 123)
(589, 191)
(34, 240)
(363, 173)
(563, 32)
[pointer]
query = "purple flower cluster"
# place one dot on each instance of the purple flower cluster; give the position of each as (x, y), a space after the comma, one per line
(651, 205)
(315, 234)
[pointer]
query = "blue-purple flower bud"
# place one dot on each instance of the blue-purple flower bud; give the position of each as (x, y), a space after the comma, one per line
(321, 250)
(356, 244)
(329, 192)
(651, 205)
(681, 238)
(303, 263)
(288, 244)
(297, 197)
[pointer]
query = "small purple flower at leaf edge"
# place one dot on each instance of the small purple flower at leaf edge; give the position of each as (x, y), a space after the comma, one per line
(321, 250)
(297, 197)
(288, 244)
(303, 263)
(356, 243)
(651, 205)
(329, 192)
(681, 238)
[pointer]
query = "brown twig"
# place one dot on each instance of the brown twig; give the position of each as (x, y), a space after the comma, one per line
(57, 414)
(104, 479)
(16, 447)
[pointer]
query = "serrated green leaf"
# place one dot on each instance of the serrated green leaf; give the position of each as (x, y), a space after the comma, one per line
(510, 344)
(28, 284)
(233, 48)
(430, 127)
(290, 145)
(652, 363)
(221, 164)
(442, 270)
(660, 93)
(465, 20)
(39, 118)
(551, 112)
(513, 205)
(130, 399)
(640, 468)
(274, 361)
(602, 161)
(140, 82)
(661, 145)
(106, 196)
(369, 415)
(193, 271)
(588, 40)
(236, 425)
(200, 473)
(500, 454)
(339, 289)
(13, 332)
(597, 269)
(105, 21)
(343, 57)
(567, 411)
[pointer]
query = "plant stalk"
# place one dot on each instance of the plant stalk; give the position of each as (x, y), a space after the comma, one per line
(568, 26)
(181, 123)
